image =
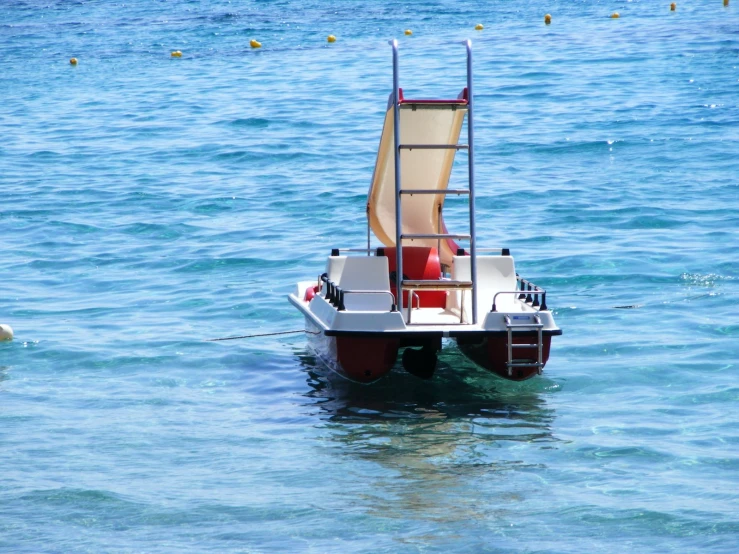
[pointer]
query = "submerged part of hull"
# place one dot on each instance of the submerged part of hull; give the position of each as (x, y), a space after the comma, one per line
(366, 359)
(420, 363)
(491, 353)
(360, 359)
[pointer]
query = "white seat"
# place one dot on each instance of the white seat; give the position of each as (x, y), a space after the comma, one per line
(362, 273)
(334, 267)
(494, 274)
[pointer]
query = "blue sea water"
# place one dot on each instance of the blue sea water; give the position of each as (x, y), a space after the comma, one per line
(149, 203)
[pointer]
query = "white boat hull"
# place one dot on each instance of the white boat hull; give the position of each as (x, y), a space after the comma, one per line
(363, 338)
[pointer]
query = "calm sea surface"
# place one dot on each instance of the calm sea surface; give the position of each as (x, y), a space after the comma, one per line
(149, 203)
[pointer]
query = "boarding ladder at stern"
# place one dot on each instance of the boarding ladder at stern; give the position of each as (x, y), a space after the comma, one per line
(512, 362)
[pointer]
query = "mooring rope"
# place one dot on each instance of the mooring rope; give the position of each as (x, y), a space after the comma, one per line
(259, 335)
(688, 299)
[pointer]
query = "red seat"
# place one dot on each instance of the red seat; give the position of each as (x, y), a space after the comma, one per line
(419, 263)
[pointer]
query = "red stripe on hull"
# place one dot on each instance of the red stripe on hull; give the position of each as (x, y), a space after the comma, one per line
(361, 359)
(366, 359)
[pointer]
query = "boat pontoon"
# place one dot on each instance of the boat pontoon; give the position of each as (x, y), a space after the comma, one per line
(354, 315)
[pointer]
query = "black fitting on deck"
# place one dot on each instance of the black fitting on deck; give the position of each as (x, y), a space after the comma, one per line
(335, 252)
(324, 279)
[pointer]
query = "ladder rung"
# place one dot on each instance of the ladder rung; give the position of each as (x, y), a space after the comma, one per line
(435, 191)
(526, 325)
(434, 236)
(433, 105)
(524, 362)
(428, 284)
(434, 147)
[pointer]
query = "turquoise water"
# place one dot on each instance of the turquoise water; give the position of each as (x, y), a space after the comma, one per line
(149, 203)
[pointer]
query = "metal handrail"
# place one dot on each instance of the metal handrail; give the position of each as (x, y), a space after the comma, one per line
(339, 250)
(335, 294)
(398, 211)
(342, 307)
(471, 169)
(412, 293)
(538, 292)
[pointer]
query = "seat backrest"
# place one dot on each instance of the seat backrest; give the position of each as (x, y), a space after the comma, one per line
(368, 273)
(365, 273)
(419, 263)
(494, 274)
(334, 267)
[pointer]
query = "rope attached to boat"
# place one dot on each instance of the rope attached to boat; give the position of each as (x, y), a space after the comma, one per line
(688, 299)
(259, 335)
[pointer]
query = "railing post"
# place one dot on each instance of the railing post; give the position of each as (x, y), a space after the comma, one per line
(471, 162)
(398, 210)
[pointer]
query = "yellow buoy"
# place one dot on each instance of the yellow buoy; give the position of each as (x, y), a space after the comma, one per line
(726, 2)
(73, 61)
(6, 331)
(615, 15)
(547, 19)
(673, 7)
(408, 32)
(255, 43)
(176, 54)
(331, 38)
(479, 27)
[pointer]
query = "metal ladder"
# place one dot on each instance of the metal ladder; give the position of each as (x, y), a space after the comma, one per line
(521, 362)
(411, 286)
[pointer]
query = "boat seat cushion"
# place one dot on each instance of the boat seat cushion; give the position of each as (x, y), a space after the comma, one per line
(419, 263)
(494, 274)
(367, 273)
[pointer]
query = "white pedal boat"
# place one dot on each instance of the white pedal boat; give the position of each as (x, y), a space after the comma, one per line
(354, 318)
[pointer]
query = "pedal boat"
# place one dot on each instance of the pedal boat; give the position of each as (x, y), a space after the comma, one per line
(356, 321)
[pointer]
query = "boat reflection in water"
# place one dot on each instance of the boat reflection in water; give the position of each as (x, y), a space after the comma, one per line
(463, 403)
(436, 449)
(461, 393)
